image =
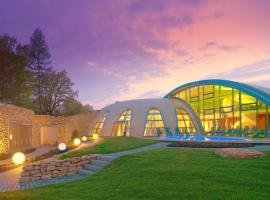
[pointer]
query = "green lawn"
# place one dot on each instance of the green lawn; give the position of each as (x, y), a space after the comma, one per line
(111, 145)
(166, 174)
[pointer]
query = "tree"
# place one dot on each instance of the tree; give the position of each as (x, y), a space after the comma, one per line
(72, 107)
(39, 61)
(56, 89)
(14, 76)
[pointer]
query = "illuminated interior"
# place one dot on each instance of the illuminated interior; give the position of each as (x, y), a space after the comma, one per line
(185, 124)
(154, 124)
(99, 124)
(224, 107)
(122, 125)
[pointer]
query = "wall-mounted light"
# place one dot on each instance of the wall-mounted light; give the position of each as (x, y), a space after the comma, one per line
(10, 137)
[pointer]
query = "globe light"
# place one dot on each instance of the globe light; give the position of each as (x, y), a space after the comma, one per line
(18, 158)
(95, 136)
(76, 141)
(62, 147)
(84, 138)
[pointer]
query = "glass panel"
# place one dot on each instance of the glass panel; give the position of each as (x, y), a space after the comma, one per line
(99, 124)
(185, 124)
(154, 123)
(122, 125)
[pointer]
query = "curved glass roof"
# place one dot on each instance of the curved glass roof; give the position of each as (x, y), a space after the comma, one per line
(257, 92)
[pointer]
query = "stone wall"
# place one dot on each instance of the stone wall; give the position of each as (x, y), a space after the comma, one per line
(54, 168)
(68, 124)
(10, 113)
(65, 125)
(4, 135)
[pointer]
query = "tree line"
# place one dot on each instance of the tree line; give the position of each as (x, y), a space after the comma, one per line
(27, 78)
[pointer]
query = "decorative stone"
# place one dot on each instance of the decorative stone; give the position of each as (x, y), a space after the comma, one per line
(239, 153)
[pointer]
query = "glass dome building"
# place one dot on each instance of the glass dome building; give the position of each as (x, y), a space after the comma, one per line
(226, 105)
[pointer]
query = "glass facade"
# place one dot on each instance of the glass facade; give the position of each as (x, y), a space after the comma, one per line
(224, 108)
(122, 125)
(184, 123)
(99, 124)
(154, 124)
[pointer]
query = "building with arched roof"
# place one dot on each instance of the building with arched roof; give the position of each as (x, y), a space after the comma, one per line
(201, 107)
(223, 104)
(146, 117)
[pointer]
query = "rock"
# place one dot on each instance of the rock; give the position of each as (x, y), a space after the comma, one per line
(46, 176)
(28, 167)
(50, 167)
(239, 153)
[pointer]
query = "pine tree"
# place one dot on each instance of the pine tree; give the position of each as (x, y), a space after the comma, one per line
(39, 62)
(14, 76)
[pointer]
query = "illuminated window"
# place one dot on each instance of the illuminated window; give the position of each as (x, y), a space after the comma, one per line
(185, 124)
(222, 107)
(99, 124)
(154, 124)
(122, 126)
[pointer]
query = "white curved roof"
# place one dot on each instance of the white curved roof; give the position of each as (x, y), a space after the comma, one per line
(140, 108)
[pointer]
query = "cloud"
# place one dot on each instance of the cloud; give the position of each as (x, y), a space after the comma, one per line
(258, 72)
(222, 47)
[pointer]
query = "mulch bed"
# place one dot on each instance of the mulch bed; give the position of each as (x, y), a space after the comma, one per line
(239, 153)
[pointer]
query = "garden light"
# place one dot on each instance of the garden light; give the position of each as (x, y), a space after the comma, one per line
(77, 141)
(84, 138)
(18, 158)
(62, 147)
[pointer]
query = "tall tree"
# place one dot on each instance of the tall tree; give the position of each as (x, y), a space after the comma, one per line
(14, 77)
(56, 89)
(39, 61)
(72, 107)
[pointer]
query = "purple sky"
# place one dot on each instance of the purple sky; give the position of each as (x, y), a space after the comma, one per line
(124, 49)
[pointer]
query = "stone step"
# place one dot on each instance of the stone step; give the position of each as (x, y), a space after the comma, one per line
(85, 172)
(93, 168)
(105, 158)
(99, 163)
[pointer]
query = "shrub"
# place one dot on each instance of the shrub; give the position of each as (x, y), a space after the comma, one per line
(75, 134)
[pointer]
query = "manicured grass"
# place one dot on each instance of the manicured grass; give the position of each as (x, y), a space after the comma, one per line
(166, 174)
(111, 145)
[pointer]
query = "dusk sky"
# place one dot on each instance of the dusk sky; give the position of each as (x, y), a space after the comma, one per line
(117, 50)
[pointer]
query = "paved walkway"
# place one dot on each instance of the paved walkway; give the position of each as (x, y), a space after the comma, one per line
(39, 151)
(260, 147)
(150, 147)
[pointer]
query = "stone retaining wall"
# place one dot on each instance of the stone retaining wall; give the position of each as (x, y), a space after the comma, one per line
(54, 168)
